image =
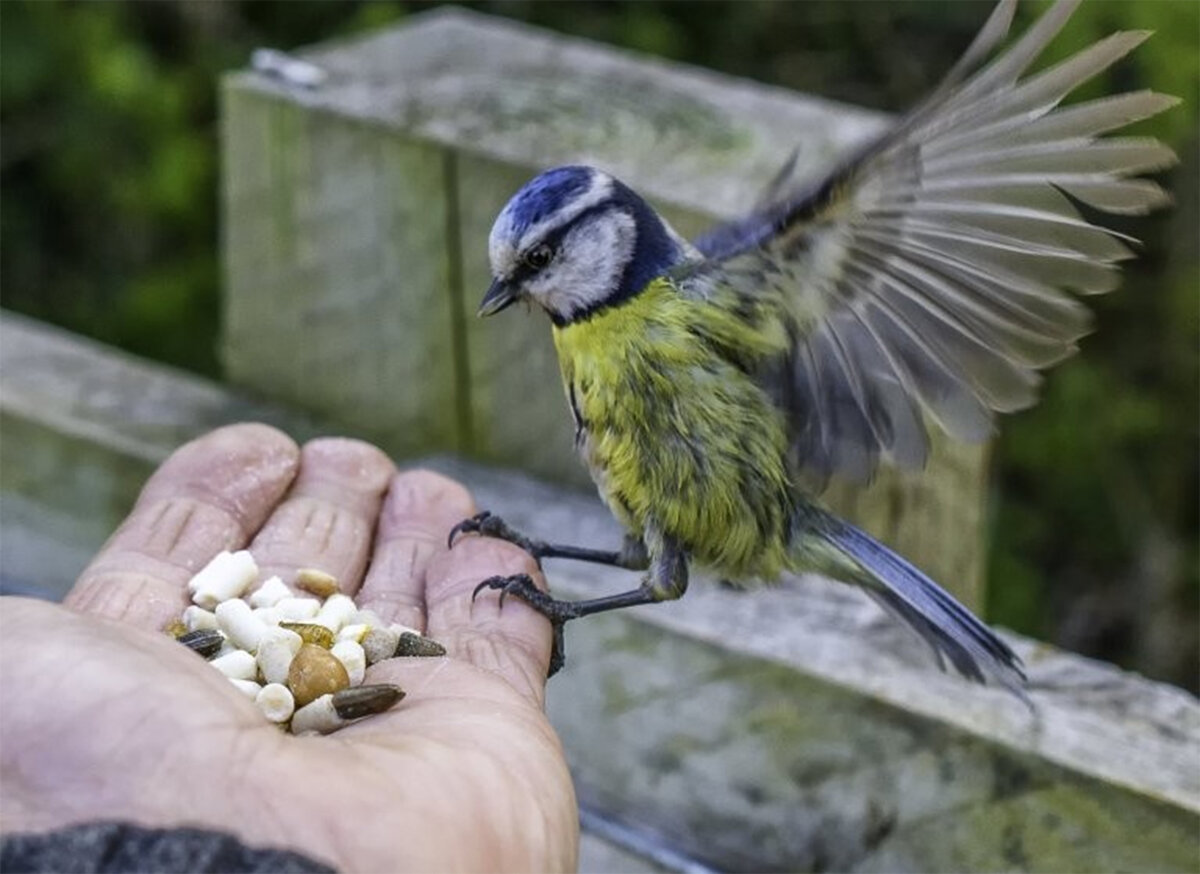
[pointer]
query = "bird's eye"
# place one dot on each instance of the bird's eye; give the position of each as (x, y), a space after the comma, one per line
(539, 256)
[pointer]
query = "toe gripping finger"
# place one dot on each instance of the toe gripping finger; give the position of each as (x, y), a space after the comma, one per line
(490, 525)
(522, 586)
(558, 612)
(471, 525)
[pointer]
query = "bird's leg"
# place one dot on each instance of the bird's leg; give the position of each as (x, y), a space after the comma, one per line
(631, 556)
(665, 580)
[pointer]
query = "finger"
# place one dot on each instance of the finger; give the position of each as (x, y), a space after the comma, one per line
(328, 518)
(420, 509)
(513, 641)
(211, 494)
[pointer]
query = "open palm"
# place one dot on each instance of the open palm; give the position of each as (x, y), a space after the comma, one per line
(108, 718)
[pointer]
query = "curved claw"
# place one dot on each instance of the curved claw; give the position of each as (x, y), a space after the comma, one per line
(490, 525)
(486, 584)
(504, 585)
(471, 525)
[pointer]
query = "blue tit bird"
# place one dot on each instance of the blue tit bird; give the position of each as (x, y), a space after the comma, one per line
(715, 385)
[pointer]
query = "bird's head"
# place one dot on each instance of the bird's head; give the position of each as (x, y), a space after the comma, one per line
(574, 240)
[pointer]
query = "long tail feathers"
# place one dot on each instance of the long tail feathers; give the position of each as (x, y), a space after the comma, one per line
(946, 625)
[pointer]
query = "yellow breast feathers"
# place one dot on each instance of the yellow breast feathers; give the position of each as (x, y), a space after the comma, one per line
(678, 436)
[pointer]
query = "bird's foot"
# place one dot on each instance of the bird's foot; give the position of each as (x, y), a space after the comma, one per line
(558, 612)
(490, 525)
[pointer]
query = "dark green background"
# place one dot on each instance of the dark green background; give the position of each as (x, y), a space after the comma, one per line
(109, 172)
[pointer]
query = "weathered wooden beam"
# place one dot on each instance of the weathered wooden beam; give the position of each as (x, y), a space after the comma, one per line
(356, 220)
(793, 728)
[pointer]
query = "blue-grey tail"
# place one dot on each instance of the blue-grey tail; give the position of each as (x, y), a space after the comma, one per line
(946, 625)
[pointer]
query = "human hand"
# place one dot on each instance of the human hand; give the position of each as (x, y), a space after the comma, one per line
(108, 718)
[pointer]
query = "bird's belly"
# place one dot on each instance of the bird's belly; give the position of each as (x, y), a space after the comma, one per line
(679, 439)
(707, 471)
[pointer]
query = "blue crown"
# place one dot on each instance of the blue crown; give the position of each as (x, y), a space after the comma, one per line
(546, 194)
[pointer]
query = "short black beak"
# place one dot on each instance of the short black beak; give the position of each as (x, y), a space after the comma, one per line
(499, 296)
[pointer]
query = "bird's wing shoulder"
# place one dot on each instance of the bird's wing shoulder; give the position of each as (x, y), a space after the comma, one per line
(931, 271)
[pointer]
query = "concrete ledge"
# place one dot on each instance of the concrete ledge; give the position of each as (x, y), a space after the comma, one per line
(792, 728)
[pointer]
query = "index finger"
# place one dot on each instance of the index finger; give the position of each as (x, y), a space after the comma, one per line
(211, 494)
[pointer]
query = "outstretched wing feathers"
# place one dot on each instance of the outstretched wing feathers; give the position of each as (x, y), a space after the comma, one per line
(981, 101)
(933, 271)
(1004, 71)
(1074, 155)
(1088, 119)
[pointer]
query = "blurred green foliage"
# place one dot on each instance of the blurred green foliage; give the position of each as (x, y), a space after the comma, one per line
(109, 227)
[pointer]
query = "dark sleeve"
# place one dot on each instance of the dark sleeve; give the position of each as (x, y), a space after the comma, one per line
(122, 848)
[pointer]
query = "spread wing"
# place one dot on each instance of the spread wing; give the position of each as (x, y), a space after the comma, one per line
(935, 270)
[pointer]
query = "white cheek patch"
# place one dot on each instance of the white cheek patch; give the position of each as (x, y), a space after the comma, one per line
(588, 266)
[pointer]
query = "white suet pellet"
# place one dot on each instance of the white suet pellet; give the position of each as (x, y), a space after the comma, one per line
(270, 593)
(336, 612)
(226, 647)
(353, 659)
(276, 702)
(249, 688)
(198, 619)
(380, 643)
(296, 609)
(237, 620)
(275, 653)
(367, 617)
(293, 640)
(318, 715)
(353, 632)
(227, 576)
(268, 616)
(238, 665)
